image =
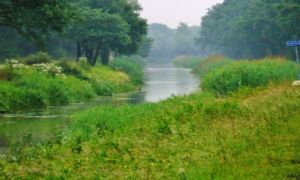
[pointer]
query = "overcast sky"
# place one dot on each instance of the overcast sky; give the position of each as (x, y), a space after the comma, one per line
(171, 12)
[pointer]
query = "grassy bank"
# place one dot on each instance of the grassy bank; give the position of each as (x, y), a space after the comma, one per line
(38, 81)
(251, 132)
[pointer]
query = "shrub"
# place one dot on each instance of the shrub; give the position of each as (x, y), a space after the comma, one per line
(186, 61)
(10, 96)
(6, 73)
(211, 63)
(248, 74)
(105, 81)
(47, 89)
(71, 68)
(77, 89)
(38, 58)
(131, 66)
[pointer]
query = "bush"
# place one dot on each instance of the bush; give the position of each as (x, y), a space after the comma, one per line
(38, 58)
(210, 64)
(105, 81)
(186, 61)
(235, 76)
(10, 96)
(71, 68)
(39, 85)
(131, 66)
(5, 73)
(77, 89)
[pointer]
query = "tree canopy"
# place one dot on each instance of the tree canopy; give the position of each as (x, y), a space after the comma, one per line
(98, 27)
(37, 18)
(250, 28)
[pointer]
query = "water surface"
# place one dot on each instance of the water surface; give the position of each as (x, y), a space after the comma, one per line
(161, 82)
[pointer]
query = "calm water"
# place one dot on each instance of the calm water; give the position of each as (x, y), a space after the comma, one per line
(161, 82)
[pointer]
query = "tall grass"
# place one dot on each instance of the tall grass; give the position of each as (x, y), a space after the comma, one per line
(211, 63)
(186, 61)
(46, 84)
(194, 137)
(251, 74)
(133, 66)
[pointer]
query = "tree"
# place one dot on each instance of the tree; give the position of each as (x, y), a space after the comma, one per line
(145, 47)
(250, 28)
(99, 33)
(120, 17)
(36, 18)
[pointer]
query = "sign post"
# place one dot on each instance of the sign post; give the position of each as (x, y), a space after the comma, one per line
(295, 44)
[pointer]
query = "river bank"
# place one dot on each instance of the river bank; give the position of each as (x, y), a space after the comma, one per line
(39, 81)
(161, 81)
(249, 132)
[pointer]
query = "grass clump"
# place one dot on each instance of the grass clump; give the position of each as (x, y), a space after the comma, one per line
(211, 63)
(37, 58)
(107, 81)
(251, 74)
(133, 66)
(186, 61)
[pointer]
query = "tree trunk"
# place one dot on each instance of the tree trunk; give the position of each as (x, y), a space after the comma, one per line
(96, 54)
(105, 56)
(78, 51)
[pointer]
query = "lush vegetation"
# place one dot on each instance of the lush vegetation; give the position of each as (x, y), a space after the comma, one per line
(252, 131)
(133, 66)
(222, 76)
(94, 29)
(251, 74)
(210, 64)
(198, 136)
(186, 61)
(38, 82)
(250, 28)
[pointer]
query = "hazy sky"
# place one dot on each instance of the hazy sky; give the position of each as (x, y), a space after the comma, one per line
(171, 12)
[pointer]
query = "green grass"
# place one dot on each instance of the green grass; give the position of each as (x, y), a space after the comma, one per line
(194, 137)
(235, 76)
(133, 66)
(210, 64)
(251, 133)
(186, 61)
(29, 86)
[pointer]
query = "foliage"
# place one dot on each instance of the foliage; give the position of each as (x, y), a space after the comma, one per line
(186, 61)
(37, 58)
(105, 27)
(99, 31)
(39, 85)
(192, 137)
(242, 74)
(105, 81)
(210, 64)
(250, 28)
(73, 69)
(133, 66)
(34, 20)
(145, 47)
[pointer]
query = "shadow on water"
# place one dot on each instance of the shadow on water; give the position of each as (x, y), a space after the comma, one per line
(161, 82)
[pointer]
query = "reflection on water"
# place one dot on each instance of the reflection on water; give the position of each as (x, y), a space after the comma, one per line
(161, 82)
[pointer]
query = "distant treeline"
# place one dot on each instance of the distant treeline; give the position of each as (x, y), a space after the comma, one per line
(251, 28)
(169, 43)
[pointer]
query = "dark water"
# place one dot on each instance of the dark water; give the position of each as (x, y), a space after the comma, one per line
(161, 82)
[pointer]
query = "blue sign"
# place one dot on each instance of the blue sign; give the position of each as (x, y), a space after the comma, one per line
(293, 43)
